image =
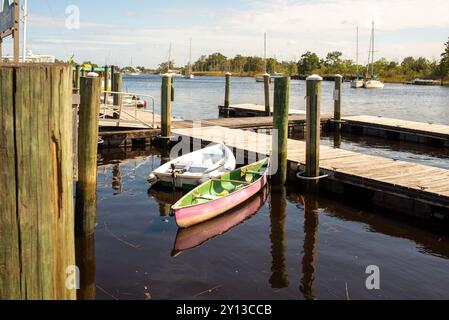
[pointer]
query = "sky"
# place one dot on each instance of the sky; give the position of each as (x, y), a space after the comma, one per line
(116, 32)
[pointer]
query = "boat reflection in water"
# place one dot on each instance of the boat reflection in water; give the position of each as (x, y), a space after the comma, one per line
(192, 237)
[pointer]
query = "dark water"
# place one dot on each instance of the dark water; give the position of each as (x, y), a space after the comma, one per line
(199, 98)
(294, 246)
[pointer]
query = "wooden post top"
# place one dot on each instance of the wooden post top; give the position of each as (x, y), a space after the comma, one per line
(314, 77)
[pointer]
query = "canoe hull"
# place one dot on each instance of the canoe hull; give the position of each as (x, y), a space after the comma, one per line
(195, 236)
(189, 216)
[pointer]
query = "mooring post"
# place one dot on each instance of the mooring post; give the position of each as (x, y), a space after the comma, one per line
(37, 243)
(280, 126)
(86, 200)
(77, 76)
(112, 78)
(313, 129)
(166, 92)
(227, 102)
(106, 84)
(266, 83)
(338, 100)
(118, 78)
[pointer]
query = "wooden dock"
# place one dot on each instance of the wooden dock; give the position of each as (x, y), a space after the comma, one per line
(419, 132)
(252, 110)
(406, 187)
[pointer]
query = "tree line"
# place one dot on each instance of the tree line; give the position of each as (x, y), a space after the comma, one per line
(310, 63)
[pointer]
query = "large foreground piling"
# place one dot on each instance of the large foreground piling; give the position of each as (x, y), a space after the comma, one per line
(338, 100)
(37, 243)
(266, 85)
(118, 79)
(166, 99)
(227, 101)
(280, 127)
(86, 200)
(313, 129)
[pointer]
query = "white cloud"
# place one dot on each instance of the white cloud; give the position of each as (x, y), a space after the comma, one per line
(293, 27)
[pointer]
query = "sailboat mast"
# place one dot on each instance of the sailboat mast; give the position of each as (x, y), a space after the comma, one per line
(372, 55)
(190, 57)
(25, 18)
(265, 51)
(357, 54)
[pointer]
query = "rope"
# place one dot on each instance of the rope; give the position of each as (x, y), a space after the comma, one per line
(300, 175)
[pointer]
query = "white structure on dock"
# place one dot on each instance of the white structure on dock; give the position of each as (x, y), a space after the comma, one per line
(32, 58)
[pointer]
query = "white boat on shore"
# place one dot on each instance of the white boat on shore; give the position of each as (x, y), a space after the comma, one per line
(195, 168)
(357, 83)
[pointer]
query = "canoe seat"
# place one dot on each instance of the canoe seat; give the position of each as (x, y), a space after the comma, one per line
(207, 197)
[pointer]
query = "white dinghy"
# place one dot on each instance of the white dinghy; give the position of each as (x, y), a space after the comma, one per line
(195, 168)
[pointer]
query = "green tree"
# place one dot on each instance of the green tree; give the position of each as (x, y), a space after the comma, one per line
(308, 63)
(443, 67)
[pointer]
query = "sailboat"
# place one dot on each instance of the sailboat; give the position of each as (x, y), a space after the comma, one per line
(261, 78)
(373, 83)
(189, 74)
(134, 71)
(357, 82)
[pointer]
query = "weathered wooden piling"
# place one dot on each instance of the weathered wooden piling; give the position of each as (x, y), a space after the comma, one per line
(37, 242)
(112, 77)
(313, 129)
(280, 125)
(166, 93)
(118, 79)
(106, 84)
(338, 100)
(86, 201)
(227, 101)
(77, 76)
(266, 84)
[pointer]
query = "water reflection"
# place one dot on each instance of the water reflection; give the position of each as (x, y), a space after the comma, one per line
(310, 251)
(165, 198)
(187, 239)
(85, 260)
(278, 205)
(116, 179)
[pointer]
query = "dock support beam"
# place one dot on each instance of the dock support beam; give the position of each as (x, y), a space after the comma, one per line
(166, 99)
(338, 100)
(280, 125)
(86, 201)
(37, 244)
(227, 102)
(313, 133)
(266, 84)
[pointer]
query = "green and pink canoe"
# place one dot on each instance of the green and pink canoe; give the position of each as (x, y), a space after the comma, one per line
(218, 196)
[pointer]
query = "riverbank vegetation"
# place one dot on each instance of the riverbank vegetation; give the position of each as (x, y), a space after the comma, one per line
(390, 71)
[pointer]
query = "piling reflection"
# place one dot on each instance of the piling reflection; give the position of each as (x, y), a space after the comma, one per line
(85, 260)
(309, 261)
(116, 179)
(165, 198)
(278, 205)
(192, 237)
